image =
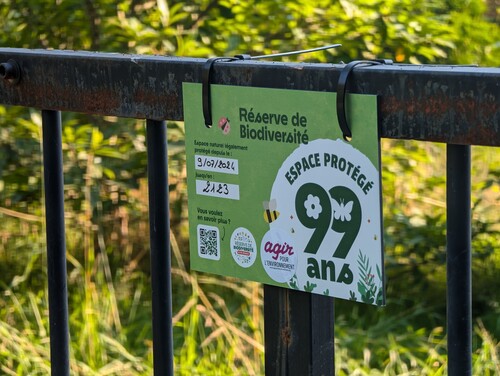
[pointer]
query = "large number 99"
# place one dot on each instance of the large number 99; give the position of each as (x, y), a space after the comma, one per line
(338, 209)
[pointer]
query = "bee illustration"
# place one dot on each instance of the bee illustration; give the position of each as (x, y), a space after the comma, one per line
(270, 212)
(224, 125)
(342, 211)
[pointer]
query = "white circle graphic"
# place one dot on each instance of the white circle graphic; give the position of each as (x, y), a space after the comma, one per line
(278, 255)
(312, 222)
(243, 247)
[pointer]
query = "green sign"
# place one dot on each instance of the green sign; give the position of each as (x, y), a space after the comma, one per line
(275, 195)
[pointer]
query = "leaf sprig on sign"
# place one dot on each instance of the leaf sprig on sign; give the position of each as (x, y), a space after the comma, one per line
(367, 285)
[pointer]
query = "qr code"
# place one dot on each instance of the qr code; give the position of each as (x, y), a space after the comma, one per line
(208, 242)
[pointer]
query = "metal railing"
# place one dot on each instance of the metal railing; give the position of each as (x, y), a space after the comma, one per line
(455, 105)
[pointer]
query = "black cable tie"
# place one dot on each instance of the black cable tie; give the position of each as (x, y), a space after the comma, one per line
(341, 89)
(205, 80)
(206, 75)
(243, 57)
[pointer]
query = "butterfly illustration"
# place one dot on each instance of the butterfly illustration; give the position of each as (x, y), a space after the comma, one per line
(342, 211)
(224, 125)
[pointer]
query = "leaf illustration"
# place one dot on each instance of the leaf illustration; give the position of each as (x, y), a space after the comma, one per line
(366, 283)
(309, 287)
(293, 282)
(352, 296)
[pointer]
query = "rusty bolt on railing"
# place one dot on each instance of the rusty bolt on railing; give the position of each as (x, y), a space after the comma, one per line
(10, 71)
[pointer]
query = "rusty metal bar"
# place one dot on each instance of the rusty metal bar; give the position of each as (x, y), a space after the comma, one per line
(451, 104)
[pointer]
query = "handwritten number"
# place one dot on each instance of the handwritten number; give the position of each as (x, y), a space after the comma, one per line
(215, 163)
(219, 188)
(207, 187)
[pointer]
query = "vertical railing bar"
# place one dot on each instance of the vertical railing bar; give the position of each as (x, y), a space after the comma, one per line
(322, 335)
(458, 260)
(56, 243)
(299, 333)
(159, 231)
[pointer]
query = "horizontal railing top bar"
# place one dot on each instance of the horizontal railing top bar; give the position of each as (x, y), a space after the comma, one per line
(452, 104)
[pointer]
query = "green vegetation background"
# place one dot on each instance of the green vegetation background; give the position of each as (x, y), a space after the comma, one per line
(219, 321)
